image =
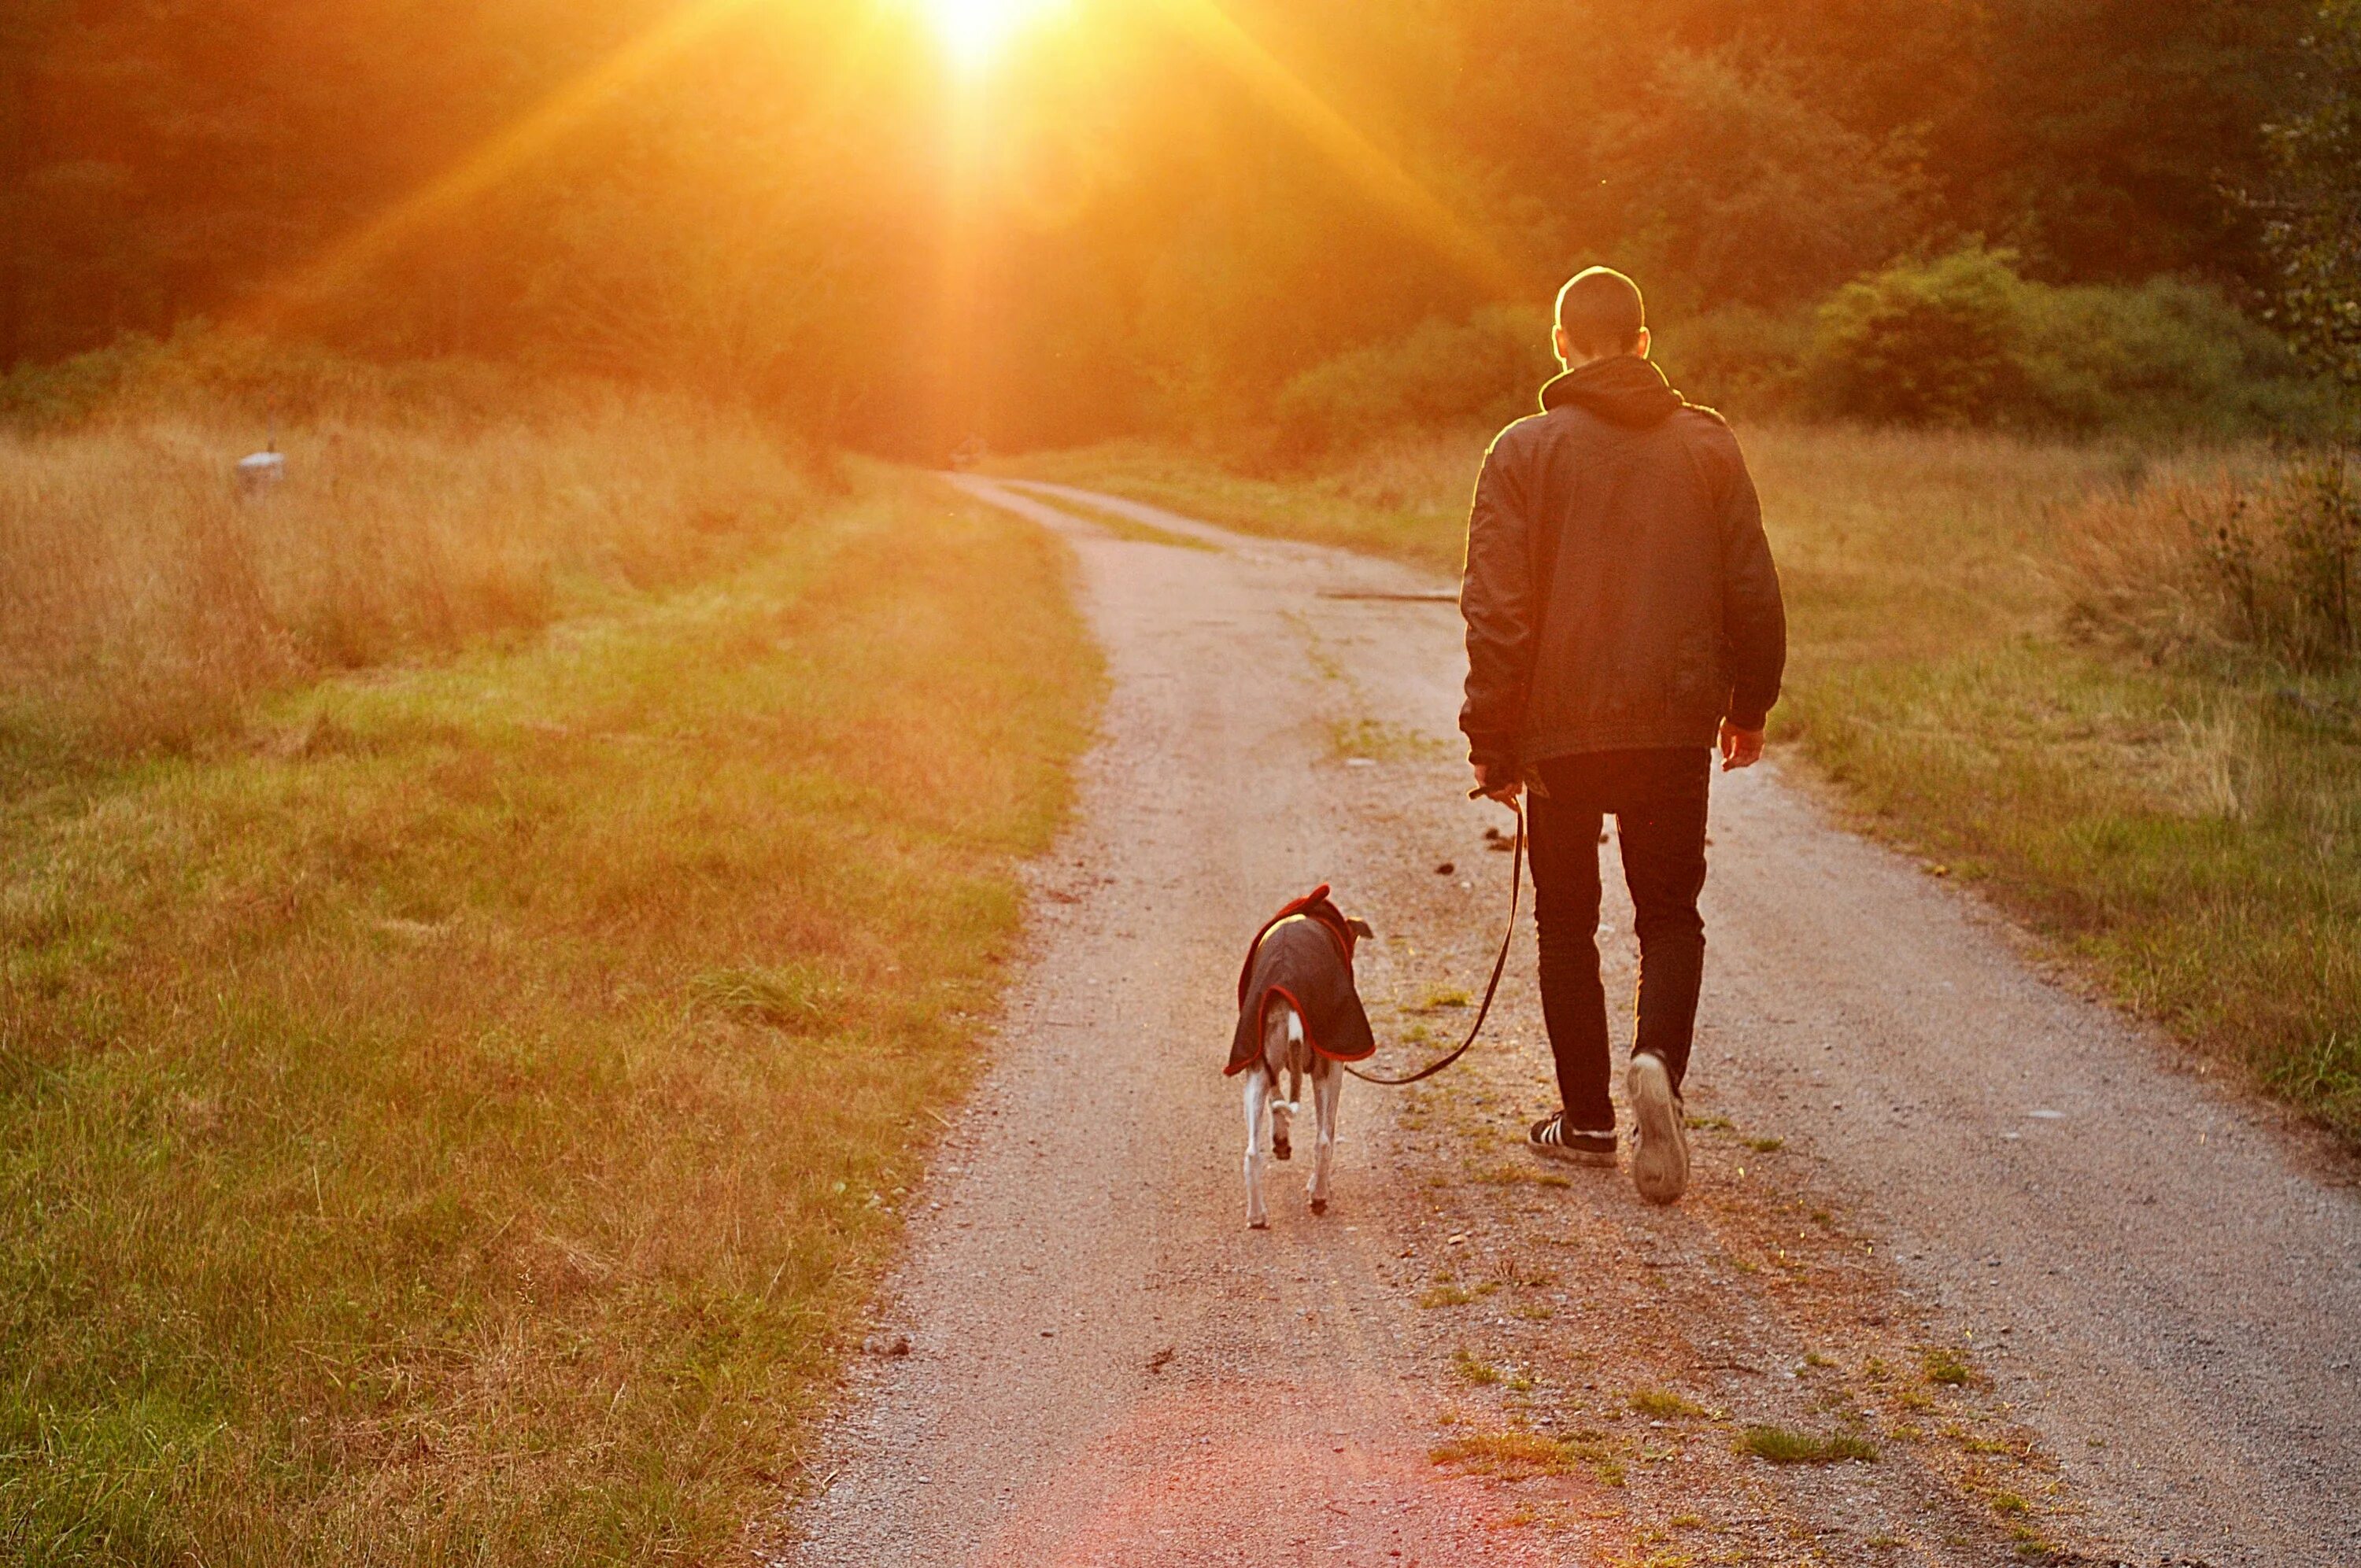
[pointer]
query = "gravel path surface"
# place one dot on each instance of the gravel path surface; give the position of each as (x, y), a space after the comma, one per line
(2080, 1304)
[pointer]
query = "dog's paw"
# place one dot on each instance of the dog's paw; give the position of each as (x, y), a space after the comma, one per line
(1258, 1224)
(1320, 1205)
(1281, 1149)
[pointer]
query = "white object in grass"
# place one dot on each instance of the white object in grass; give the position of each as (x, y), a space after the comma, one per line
(259, 471)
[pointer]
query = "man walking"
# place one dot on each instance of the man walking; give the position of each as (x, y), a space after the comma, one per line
(1623, 618)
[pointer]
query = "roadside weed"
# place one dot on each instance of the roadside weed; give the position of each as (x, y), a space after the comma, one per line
(1946, 1365)
(1783, 1445)
(1665, 1404)
(1472, 1368)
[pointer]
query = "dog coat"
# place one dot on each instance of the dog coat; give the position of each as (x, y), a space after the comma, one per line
(1304, 953)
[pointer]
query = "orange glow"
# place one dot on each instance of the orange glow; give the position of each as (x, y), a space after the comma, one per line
(344, 263)
(973, 34)
(1352, 155)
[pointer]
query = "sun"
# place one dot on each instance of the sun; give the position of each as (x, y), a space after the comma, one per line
(974, 32)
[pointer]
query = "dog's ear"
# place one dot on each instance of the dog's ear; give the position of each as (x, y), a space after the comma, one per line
(1360, 929)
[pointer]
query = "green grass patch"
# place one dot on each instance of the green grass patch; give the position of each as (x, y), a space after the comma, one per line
(1473, 1368)
(799, 997)
(1398, 501)
(1665, 1405)
(1519, 1455)
(1511, 1455)
(1382, 741)
(1784, 1445)
(459, 1117)
(1514, 1173)
(2189, 829)
(1943, 1364)
(1121, 526)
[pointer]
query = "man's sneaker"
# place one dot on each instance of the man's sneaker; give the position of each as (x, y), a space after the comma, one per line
(1553, 1139)
(1660, 1142)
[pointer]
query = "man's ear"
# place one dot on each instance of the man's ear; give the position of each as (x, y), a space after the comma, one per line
(1360, 929)
(1641, 348)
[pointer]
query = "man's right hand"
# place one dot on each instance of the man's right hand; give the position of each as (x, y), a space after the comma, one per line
(1502, 784)
(1740, 748)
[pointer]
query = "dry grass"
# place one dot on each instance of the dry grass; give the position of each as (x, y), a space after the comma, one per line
(2172, 800)
(142, 602)
(463, 1123)
(2245, 559)
(2132, 562)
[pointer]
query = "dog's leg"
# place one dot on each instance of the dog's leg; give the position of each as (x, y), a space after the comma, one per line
(1258, 1094)
(1327, 1081)
(1280, 1025)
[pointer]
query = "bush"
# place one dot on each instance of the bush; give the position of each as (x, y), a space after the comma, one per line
(1959, 340)
(1486, 368)
(1738, 359)
(2167, 356)
(1964, 340)
(1752, 191)
(201, 369)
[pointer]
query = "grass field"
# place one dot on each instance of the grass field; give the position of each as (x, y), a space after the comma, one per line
(2186, 824)
(143, 604)
(453, 1111)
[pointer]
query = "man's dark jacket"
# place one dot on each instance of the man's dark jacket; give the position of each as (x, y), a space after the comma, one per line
(1619, 592)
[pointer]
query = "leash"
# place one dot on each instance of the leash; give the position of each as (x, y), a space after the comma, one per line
(1500, 962)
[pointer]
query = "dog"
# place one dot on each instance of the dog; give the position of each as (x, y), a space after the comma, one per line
(1300, 1015)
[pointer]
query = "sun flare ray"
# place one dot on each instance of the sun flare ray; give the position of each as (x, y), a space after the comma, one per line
(350, 257)
(1378, 176)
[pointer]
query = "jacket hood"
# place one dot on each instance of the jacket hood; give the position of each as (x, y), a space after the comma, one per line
(1622, 389)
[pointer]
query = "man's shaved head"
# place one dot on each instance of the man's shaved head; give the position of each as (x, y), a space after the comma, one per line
(1600, 311)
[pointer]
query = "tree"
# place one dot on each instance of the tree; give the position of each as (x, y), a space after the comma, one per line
(2103, 138)
(1750, 193)
(2313, 211)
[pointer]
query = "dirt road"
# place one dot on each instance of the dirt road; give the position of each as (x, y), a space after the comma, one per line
(2077, 1302)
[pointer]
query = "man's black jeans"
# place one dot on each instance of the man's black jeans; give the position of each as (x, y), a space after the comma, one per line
(1658, 801)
